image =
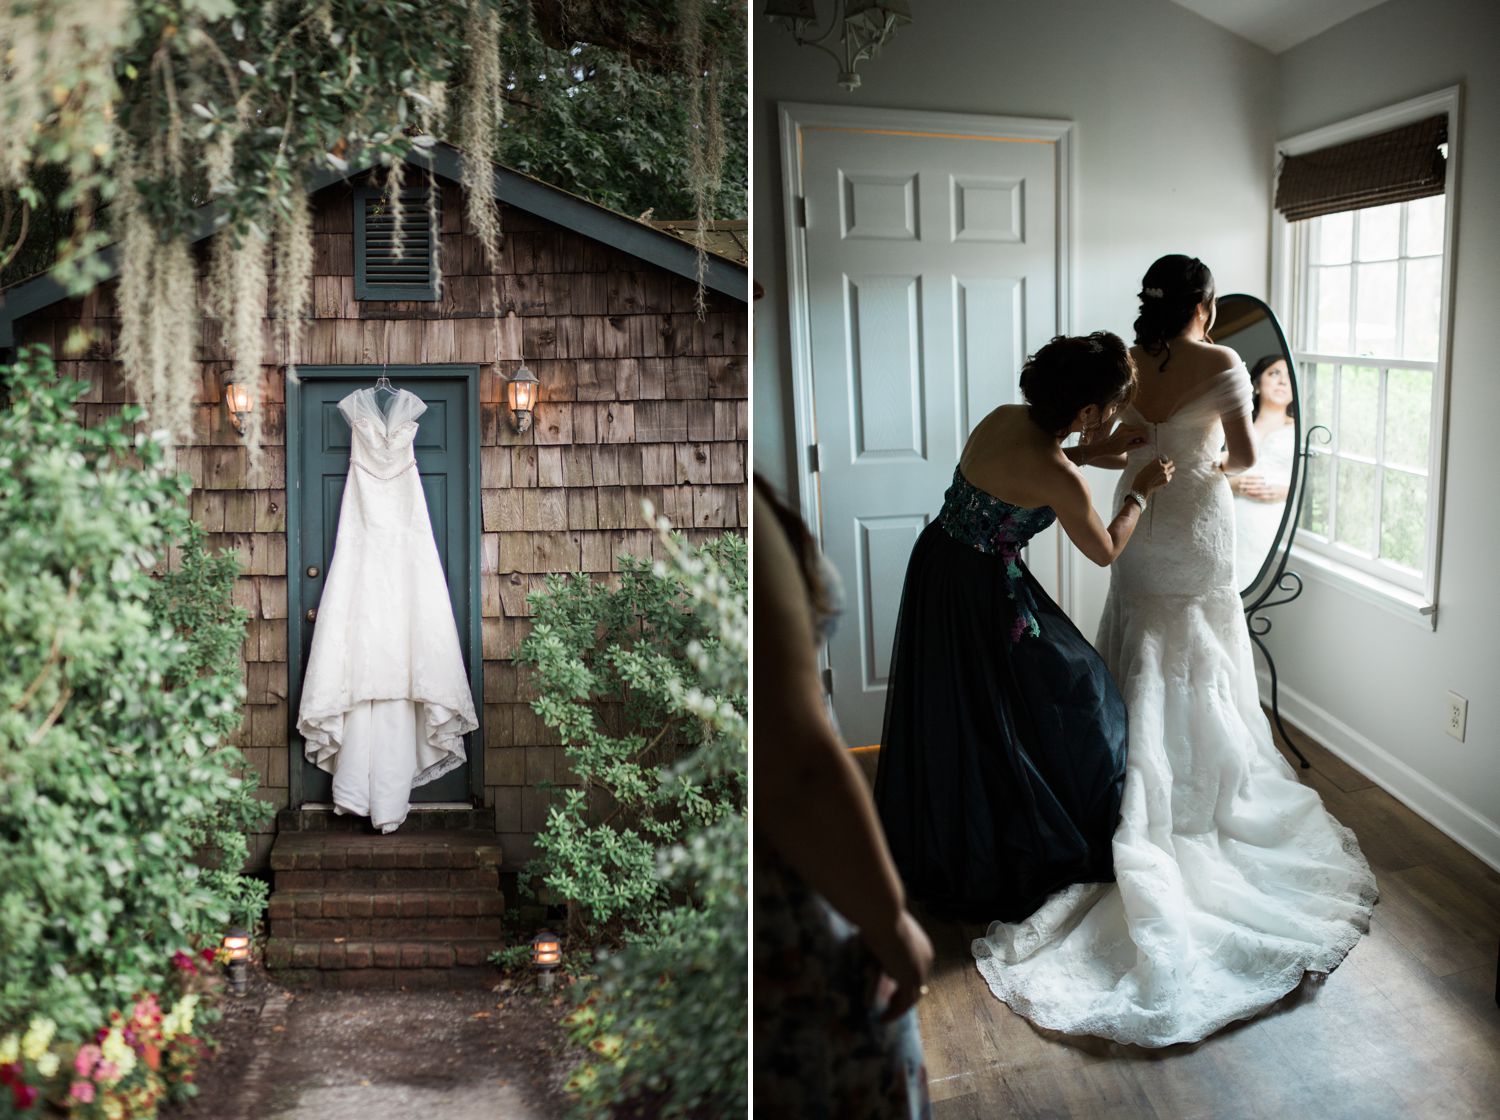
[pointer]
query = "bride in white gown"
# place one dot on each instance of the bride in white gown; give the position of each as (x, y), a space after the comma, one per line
(1232, 880)
(386, 701)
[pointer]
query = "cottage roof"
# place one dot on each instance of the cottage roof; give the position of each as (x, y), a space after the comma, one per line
(667, 248)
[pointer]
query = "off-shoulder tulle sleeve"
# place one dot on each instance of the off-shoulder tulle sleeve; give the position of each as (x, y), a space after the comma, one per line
(1229, 392)
(349, 406)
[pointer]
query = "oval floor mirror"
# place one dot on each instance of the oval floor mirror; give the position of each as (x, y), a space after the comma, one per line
(1267, 498)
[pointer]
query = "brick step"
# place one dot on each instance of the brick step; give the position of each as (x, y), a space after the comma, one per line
(420, 820)
(388, 979)
(285, 952)
(399, 879)
(453, 850)
(398, 914)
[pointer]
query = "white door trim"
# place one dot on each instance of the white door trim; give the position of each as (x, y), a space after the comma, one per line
(799, 116)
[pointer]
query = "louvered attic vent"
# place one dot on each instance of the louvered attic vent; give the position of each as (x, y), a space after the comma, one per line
(380, 272)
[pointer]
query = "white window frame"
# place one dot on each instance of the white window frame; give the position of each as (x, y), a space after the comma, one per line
(1418, 601)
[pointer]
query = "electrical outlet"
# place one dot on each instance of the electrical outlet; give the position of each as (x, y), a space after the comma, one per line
(1458, 716)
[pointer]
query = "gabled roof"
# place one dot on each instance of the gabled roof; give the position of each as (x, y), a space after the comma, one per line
(639, 239)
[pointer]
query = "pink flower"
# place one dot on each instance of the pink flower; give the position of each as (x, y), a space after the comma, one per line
(82, 1091)
(106, 1071)
(88, 1057)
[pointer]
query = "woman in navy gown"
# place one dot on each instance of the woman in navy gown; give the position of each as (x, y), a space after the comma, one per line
(1003, 756)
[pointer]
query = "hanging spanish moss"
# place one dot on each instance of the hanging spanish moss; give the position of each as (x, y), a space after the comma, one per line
(294, 265)
(156, 311)
(705, 123)
(246, 334)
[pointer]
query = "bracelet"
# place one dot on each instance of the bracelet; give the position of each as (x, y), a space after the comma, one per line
(1138, 498)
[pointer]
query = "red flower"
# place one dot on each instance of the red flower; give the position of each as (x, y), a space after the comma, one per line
(23, 1094)
(10, 1072)
(208, 955)
(183, 962)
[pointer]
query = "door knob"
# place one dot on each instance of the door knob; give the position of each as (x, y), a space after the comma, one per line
(312, 571)
(312, 614)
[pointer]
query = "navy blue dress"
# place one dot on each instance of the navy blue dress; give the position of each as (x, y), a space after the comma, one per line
(1002, 762)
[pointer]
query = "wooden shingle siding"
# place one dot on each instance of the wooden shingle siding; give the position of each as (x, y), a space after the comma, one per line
(639, 400)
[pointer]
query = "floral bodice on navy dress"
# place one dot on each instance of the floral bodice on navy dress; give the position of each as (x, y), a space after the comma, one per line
(986, 523)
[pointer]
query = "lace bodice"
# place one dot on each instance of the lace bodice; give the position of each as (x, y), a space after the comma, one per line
(1185, 544)
(381, 444)
(984, 522)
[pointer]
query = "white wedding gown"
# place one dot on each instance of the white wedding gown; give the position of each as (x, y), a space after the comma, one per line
(1232, 880)
(1256, 521)
(386, 700)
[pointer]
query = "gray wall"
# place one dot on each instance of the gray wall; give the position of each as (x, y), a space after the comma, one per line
(1175, 120)
(1375, 682)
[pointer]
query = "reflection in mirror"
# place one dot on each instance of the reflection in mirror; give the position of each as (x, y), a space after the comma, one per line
(1262, 494)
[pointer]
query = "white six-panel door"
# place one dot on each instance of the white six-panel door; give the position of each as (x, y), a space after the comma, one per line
(928, 256)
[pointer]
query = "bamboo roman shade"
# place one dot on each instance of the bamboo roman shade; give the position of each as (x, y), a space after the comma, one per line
(1395, 166)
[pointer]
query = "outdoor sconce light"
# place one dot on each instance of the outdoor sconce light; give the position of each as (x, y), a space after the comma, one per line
(861, 26)
(546, 954)
(237, 946)
(522, 387)
(237, 403)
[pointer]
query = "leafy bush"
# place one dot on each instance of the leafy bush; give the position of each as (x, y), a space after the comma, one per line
(664, 1026)
(614, 678)
(117, 690)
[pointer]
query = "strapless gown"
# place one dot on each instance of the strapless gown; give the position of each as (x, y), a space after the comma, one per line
(1003, 754)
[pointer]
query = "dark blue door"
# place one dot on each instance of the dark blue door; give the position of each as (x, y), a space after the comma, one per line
(317, 468)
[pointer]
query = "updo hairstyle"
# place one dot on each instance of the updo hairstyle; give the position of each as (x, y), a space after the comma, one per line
(1070, 373)
(1170, 293)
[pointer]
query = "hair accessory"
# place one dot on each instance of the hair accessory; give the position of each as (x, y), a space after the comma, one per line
(1151, 293)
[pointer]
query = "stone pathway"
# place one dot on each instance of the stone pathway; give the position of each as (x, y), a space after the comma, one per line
(382, 1055)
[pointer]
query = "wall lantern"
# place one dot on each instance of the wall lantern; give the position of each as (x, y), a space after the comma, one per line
(522, 387)
(862, 27)
(546, 955)
(238, 403)
(237, 948)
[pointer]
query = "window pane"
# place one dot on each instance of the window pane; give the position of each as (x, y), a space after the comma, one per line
(1375, 325)
(1315, 498)
(1359, 409)
(1424, 294)
(1316, 395)
(1356, 505)
(1424, 226)
(1403, 519)
(1329, 330)
(1380, 232)
(1408, 417)
(1331, 236)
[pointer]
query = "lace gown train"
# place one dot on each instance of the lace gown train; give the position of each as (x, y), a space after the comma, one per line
(385, 701)
(1232, 880)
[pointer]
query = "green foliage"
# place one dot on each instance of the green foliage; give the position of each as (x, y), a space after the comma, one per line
(235, 102)
(587, 118)
(117, 689)
(614, 680)
(664, 1025)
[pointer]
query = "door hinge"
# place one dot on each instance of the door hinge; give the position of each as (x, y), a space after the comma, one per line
(802, 211)
(813, 463)
(828, 681)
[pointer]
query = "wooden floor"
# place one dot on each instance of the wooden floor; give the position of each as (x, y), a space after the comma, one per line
(1406, 1027)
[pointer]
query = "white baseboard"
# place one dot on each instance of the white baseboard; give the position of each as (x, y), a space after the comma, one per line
(1460, 823)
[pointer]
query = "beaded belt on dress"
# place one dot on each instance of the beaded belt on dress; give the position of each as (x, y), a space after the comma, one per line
(385, 477)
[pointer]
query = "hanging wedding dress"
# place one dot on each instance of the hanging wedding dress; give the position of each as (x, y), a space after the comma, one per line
(1232, 880)
(386, 700)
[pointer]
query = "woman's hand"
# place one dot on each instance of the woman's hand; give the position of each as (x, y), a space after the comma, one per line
(1126, 437)
(1153, 476)
(1256, 488)
(905, 955)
